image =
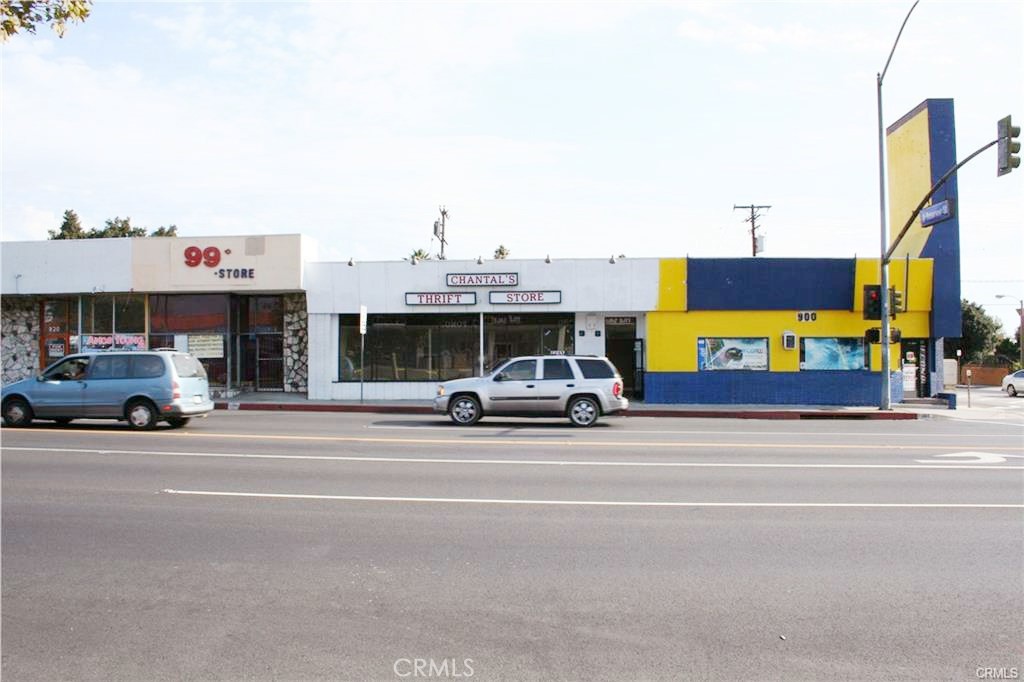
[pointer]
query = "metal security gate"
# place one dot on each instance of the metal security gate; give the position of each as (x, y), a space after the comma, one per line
(261, 362)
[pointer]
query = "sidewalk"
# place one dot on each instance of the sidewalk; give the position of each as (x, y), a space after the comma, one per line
(984, 405)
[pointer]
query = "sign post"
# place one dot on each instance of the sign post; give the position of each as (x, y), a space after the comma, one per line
(362, 344)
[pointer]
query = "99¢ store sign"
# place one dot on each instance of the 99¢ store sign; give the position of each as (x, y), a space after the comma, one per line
(210, 257)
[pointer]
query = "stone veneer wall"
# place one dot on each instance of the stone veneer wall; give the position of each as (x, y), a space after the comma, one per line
(296, 343)
(19, 337)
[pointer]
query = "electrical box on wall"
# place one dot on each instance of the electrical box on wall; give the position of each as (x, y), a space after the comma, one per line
(789, 340)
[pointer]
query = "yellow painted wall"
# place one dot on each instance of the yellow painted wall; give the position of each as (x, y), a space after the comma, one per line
(917, 289)
(672, 333)
(909, 171)
(672, 284)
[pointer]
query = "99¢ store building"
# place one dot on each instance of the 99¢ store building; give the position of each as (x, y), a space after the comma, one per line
(237, 303)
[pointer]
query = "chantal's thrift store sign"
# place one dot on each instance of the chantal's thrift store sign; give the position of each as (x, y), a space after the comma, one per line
(482, 279)
(486, 279)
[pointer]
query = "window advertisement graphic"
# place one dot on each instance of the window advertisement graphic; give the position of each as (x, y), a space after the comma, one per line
(729, 353)
(833, 354)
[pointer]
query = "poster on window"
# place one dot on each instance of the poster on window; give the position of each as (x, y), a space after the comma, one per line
(832, 353)
(112, 341)
(206, 345)
(724, 353)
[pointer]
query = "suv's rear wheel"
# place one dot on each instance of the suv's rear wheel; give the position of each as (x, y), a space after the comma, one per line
(17, 412)
(141, 415)
(584, 411)
(464, 410)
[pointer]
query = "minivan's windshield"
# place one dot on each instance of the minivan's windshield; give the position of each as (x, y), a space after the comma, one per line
(188, 367)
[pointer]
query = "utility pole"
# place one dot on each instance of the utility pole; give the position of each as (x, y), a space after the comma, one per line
(439, 226)
(754, 215)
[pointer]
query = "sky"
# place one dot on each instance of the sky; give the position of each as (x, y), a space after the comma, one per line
(567, 129)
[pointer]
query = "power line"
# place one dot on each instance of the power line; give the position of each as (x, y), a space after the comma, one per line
(754, 215)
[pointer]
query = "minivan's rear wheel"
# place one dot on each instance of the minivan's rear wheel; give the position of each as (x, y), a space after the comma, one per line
(177, 422)
(583, 411)
(464, 410)
(17, 412)
(141, 415)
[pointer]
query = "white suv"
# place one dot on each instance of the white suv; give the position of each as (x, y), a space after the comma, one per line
(580, 387)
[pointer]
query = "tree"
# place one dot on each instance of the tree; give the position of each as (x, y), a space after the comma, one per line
(118, 227)
(419, 254)
(501, 253)
(71, 228)
(162, 231)
(26, 15)
(980, 332)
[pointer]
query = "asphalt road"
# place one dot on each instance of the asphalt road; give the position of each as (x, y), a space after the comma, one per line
(342, 546)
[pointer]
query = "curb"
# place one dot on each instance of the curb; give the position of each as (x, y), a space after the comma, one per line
(698, 414)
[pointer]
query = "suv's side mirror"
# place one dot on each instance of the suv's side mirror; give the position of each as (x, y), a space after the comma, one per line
(502, 376)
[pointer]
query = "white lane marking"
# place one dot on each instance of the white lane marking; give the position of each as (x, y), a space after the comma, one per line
(694, 432)
(521, 462)
(968, 458)
(488, 442)
(592, 503)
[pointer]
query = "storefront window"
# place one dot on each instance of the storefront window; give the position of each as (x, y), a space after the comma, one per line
(183, 313)
(508, 336)
(715, 354)
(411, 347)
(200, 321)
(129, 314)
(98, 314)
(113, 321)
(834, 354)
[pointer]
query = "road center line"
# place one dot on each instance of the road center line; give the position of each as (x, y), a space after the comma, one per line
(486, 442)
(592, 503)
(520, 462)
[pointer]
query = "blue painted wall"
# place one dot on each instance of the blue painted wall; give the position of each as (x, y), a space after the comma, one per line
(944, 243)
(768, 388)
(770, 283)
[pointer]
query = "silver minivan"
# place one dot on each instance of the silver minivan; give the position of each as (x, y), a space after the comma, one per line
(139, 387)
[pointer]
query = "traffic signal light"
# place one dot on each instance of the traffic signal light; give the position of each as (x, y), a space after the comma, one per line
(872, 302)
(895, 302)
(873, 335)
(1008, 146)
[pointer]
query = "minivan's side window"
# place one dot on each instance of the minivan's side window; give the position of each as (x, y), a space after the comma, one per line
(557, 368)
(147, 366)
(595, 369)
(110, 367)
(522, 370)
(68, 370)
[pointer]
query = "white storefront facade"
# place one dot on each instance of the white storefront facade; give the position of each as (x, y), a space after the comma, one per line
(437, 320)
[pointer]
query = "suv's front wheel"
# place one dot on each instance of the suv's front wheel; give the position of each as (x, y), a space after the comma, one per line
(464, 410)
(584, 411)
